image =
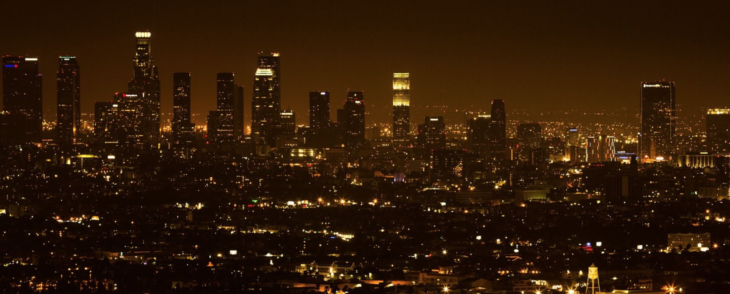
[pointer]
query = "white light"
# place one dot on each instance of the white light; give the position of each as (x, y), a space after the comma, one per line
(233, 252)
(264, 72)
(31, 59)
(143, 34)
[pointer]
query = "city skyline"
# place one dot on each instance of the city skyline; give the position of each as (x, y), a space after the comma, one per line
(365, 147)
(491, 75)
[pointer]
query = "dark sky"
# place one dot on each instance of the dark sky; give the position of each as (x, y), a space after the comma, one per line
(534, 54)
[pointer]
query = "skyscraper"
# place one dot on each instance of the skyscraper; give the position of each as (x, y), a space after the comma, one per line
(22, 99)
(238, 125)
(432, 133)
(287, 122)
(319, 110)
(105, 123)
(266, 103)
(718, 129)
(182, 128)
(478, 134)
(529, 137)
(657, 120)
(220, 126)
(401, 106)
(146, 85)
(68, 100)
(498, 132)
(130, 122)
(354, 118)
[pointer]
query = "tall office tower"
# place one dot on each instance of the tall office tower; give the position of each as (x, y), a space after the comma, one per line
(105, 123)
(401, 106)
(529, 137)
(22, 99)
(183, 130)
(658, 115)
(130, 120)
(319, 111)
(354, 116)
(592, 149)
(68, 100)
(478, 134)
(608, 148)
(498, 132)
(287, 122)
(214, 124)
(574, 150)
(146, 85)
(221, 124)
(266, 103)
(718, 129)
(432, 133)
(238, 125)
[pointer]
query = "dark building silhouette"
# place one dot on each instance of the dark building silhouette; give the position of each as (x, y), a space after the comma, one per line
(238, 114)
(266, 103)
(183, 129)
(106, 115)
(68, 100)
(401, 107)
(657, 121)
(432, 133)
(221, 121)
(528, 142)
(498, 132)
(130, 122)
(287, 122)
(146, 85)
(718, 129)
(478, 134)
(319, 110)
(22, 100)
(353, 116)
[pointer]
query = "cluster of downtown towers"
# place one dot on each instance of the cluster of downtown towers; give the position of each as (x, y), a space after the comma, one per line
(132, 119)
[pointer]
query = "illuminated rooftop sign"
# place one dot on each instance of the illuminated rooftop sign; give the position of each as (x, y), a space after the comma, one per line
(264, 72)
(717, 111)
(143, 34)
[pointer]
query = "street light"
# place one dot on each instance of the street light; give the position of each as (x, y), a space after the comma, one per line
(446, 289)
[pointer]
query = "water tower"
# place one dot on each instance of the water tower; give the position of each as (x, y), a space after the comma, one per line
(593, 280)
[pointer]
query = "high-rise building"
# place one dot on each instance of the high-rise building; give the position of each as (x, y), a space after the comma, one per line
(529, 139)
(478, 134)
(22, 99)
(68, 100)
(354, 118)
(608, 148)
(432, 133)
(130, 122)
(498, 132)
(718, 129)
(238, 125)
(220, 125)
(146, 85)
(319, 111)
(183, 129)
(574, 147)
(266, 103)
(106, 116)
(657, 121)
(287, 122)
(592, 149)
(401, 106)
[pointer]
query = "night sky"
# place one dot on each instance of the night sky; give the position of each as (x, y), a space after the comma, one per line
(537, 55)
